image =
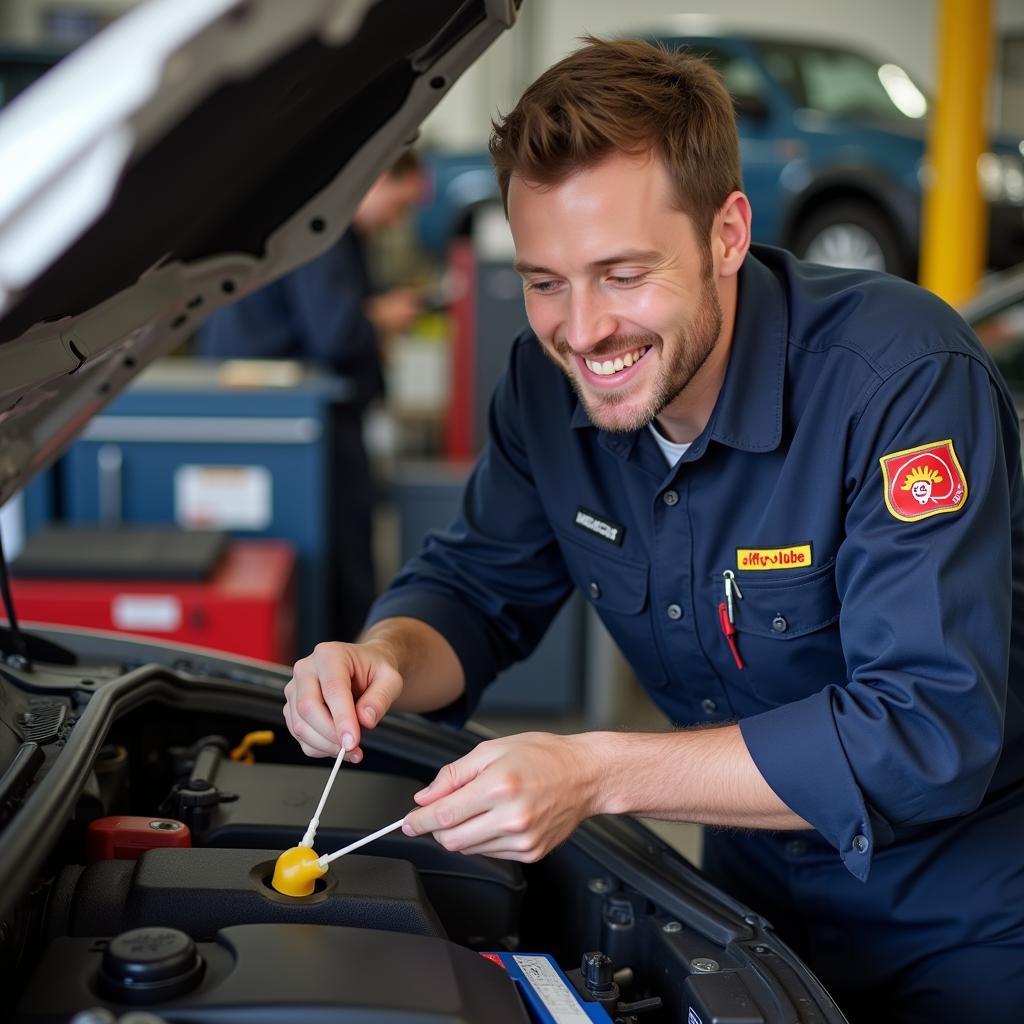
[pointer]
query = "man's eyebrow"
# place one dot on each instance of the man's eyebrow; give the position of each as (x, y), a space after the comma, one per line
(530, 268)
(627, 256)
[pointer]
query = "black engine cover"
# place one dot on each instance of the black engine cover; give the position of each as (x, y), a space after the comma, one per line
(201, 891)
(304, 974)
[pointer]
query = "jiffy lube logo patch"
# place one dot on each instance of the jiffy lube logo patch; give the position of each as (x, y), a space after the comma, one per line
(923, 481)
(797, 556)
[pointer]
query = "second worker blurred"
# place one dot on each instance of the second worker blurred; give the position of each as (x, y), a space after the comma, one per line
(327, 312)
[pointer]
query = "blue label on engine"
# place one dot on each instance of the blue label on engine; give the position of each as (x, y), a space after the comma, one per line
(548, 994)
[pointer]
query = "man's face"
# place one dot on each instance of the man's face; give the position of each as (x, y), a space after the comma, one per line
(617, 288)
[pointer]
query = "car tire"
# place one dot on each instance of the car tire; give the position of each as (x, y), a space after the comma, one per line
(852, 234)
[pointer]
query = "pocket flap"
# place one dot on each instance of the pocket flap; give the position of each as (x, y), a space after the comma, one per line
(610, 583)
(787, 609)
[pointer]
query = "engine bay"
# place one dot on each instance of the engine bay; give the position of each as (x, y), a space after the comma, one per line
(139, 846)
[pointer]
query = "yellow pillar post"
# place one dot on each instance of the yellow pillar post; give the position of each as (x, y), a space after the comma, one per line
(954, 228)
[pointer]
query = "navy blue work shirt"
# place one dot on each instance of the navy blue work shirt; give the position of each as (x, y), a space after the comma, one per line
(860, 477)
(315, 313)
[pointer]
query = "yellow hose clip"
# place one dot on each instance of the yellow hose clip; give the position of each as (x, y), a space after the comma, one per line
(243, 752)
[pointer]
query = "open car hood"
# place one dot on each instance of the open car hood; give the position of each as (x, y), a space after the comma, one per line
(192, 152)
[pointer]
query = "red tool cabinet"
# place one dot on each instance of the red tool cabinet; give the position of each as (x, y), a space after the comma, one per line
(246, 606)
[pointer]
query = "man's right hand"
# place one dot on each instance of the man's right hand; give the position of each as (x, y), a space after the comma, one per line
(336, 691)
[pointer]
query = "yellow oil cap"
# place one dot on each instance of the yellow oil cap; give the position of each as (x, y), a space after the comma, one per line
(296, 872)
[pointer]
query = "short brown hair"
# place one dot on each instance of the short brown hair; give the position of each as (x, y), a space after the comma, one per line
(631, 97)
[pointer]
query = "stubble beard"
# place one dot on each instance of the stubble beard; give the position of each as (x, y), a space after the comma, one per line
(694, 343)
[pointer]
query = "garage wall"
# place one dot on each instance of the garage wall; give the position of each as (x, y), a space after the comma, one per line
(24, 20)
(548, 29)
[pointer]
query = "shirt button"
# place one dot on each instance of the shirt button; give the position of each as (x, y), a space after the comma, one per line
(670, 498)
(674, 612)
(708, 706)
(594, 590)
(860, 843)
(796, 847)
(779, 624)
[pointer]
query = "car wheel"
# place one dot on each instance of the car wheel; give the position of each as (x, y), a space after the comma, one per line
(854, 235)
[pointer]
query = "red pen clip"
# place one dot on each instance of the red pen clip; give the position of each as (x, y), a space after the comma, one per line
(729, 632)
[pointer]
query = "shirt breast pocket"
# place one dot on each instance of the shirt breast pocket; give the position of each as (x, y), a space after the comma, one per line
(787, 632)
(617, 587)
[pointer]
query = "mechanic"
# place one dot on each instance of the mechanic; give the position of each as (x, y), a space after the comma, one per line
(327, 312)
(794, 496)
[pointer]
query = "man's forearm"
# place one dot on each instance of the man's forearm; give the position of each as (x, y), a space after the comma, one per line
(432, 675)
(702, 775)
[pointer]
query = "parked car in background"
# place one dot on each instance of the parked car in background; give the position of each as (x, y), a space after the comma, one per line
(997, 317)
(833, 148)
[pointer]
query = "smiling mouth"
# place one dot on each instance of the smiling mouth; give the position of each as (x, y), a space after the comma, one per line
(608, 367)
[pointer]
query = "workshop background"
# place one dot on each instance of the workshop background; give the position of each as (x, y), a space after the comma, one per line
(845, 159)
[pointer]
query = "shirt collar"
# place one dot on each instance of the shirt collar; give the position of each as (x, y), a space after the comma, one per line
(748, 413)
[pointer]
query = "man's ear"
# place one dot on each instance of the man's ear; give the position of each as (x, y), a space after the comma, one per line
(730, 234)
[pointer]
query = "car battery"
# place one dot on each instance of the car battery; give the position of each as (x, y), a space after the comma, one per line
(202, 589)
(546, 990)
(251, 448)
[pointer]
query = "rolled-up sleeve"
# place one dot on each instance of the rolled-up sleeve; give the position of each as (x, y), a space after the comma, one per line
(492, 583)
(914, 732)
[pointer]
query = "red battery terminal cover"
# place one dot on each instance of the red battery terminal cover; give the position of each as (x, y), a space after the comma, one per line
(127, 837)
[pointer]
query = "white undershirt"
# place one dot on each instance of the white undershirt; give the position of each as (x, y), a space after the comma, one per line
(673, 452)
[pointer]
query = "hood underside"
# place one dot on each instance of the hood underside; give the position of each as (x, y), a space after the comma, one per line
(186, 156)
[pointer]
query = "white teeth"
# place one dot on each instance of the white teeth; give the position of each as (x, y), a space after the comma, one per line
(610, 366)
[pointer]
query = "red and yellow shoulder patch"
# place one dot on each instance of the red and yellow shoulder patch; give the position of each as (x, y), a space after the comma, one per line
(923, 481)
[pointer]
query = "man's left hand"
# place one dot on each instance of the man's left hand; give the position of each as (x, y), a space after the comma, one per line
(515, 798)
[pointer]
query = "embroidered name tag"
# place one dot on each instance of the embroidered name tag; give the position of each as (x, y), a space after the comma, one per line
(923, 481)
(797, 556)
(603, 528)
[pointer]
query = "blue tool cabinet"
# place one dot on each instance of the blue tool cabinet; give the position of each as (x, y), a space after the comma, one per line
(259, 457)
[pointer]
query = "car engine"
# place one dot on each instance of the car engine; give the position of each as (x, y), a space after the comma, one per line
(139, 829)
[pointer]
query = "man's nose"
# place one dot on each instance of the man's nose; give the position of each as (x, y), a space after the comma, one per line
(588, 322)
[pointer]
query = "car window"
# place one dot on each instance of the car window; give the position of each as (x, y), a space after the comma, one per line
(785, 69)
(841, 83)
(742, 77)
